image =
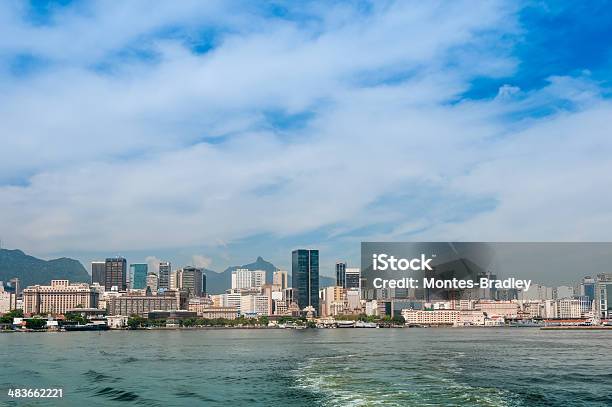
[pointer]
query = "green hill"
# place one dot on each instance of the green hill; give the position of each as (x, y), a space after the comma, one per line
(31, 270)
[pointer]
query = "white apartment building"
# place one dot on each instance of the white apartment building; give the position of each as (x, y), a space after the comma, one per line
(243, 279)
(7, 300)
(254, 305)
(434, 317)
(232, 300)
(566, 308)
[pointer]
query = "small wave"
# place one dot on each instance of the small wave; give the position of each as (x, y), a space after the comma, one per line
(97, 376)
(117, 394)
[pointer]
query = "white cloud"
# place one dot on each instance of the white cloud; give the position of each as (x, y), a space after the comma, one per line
(116, 160)
(201, 261)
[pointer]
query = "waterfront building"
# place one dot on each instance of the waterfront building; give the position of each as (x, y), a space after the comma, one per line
(534, 309)
(506, 309)
(431, 317)
(115, 273)
(353, 278)
(244, 279)
(219, 312)
(565, 308)
(254, 305)
(190, 279)
(142, 304)
(164, 274)
(98, 272)
(58, 297)
(138, 275)
(152, 282)
(471, 317)
(305, 277)
(341, 274)
(279, 278)
(7, 300)
(116, 321)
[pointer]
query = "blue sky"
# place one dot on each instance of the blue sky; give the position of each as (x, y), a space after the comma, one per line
(213, 132)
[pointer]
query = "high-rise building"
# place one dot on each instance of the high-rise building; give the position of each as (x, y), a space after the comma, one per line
(244, 279)
(341, 274)
(587, 287)
(58, 297)
(190, 279)
(279, 278)
(98, 272)
(603, 296)
(305, 277)
(152, 282)
(353, 278)
(115, 273)
(7, 299)
(173, 283)
(164, 274)
(138, 275)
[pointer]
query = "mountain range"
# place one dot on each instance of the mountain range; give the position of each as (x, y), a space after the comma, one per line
(31, 270)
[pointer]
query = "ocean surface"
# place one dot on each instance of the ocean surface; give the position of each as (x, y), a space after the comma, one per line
(324, 367)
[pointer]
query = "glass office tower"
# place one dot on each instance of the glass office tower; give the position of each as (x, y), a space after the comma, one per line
(305, 278)
(341, 274)
(138, 274)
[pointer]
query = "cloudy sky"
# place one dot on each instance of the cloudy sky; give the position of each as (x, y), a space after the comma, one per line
(213, 132)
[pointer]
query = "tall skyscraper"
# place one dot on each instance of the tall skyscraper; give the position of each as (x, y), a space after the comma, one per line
(115, 273)
(164, 274)
(98, 272)
(138, 275)
(190, 279)
(280, 278)
(341, 274)
(305, 277)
